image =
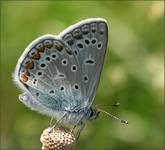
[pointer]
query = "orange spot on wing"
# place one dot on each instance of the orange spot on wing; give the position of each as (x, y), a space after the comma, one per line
(24, 78)
(29, 65)
(36, 56)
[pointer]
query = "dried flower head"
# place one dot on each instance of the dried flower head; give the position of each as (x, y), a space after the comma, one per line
(58, 138)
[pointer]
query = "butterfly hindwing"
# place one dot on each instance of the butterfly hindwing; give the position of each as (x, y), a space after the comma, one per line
(33, 104)
(49, 72)
(88, 41)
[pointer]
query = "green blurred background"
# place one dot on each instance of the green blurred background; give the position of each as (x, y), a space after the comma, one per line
(132, 73)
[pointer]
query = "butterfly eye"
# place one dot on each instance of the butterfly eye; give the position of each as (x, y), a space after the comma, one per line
(93, 41)
(48, 43)
(74, 68)
(64, 62)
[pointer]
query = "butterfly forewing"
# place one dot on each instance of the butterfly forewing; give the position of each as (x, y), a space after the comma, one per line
(88, 42)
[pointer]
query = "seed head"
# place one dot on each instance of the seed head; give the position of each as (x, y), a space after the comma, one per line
(58, 138)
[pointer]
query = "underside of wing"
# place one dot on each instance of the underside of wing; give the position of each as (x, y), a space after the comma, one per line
(88, 41)
(47, 70)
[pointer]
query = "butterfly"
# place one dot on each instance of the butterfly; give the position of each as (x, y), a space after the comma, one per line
(59, 75)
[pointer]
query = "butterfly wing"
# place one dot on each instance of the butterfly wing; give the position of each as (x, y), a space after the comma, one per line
(88, 41)
(47, 71)
(62, 73)
(33, 104)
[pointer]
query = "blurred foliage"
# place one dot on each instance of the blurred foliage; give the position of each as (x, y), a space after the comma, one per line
(132, 74)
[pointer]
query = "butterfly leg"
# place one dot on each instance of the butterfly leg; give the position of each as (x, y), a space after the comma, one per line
(51, 120)
(57, 122)
(82, 125)
(73, 128)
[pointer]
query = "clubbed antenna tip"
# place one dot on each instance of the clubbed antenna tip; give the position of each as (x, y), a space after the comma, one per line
(124, 121)
(114, 117)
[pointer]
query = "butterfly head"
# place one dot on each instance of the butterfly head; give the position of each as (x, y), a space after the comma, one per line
(93, 113)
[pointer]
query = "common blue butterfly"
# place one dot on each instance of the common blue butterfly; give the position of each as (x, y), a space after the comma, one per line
(59, 74)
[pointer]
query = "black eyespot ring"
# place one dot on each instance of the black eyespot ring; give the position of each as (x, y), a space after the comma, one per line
(74, 68)
(93, 41)
(76, 87)
(51, 92)
(85, 78)
(43, 65)
(99, 45)
(76, 53)
(87, 41)
(37, 94)
(64, 62)
(47, 58)
(54, 56)
(80, 45)
(39, 73)
(62, 88)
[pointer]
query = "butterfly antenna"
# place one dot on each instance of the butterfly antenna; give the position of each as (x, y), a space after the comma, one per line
(114, 105)
(114, 117)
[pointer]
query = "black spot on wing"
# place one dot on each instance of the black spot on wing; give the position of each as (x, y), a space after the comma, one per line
(89, 61)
